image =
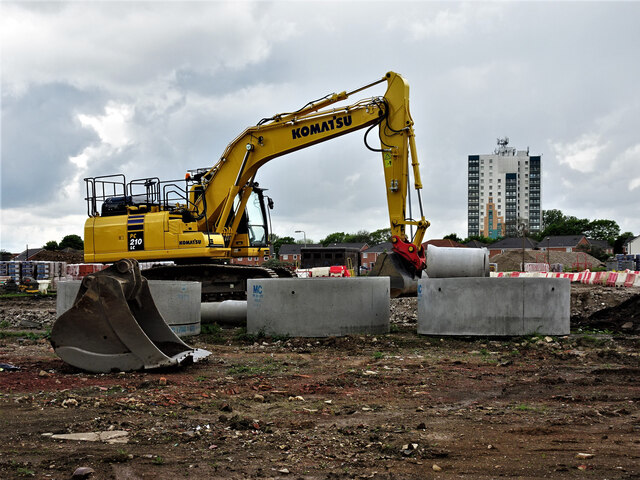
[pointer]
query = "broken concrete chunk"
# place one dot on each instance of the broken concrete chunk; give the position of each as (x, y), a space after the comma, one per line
(113, 436)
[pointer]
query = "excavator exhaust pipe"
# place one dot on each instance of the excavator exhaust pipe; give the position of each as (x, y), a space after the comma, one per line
(114, 325)
(402, 281)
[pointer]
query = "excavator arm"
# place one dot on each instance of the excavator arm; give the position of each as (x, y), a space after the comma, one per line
(224, 190)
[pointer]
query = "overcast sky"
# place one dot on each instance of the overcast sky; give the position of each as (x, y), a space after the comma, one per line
(152, 89)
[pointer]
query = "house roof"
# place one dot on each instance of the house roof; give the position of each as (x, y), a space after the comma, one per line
(443, 242)
(561, 241)
(475, 244)
(513, 243)
(599, 243)
(289, 249)
(381, 248)
(296, 248)
(631, 239)
(359, 245)
(23, 255)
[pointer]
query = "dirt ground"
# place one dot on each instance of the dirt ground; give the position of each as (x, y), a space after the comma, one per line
(395, 406)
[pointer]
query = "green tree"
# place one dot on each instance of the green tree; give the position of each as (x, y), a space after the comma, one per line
(275, 263)
(380, 236)
(481, 239)
(336, 237)
(620, 241)
(5, 256)
(361, 236)
(454, 237)
(549, 217)
(554, 222)
(51, 245)
(569, 226)
(603, 230)
(594, 251)
(279, 241)
(72, 241)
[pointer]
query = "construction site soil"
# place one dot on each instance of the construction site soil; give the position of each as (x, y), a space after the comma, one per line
(394, 406)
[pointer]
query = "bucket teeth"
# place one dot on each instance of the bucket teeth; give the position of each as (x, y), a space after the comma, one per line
(114, 325)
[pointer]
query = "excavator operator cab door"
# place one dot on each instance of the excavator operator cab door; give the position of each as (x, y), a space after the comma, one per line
(254, 219)
(257, 219)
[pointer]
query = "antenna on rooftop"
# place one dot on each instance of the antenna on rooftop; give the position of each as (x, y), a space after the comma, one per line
(503, 148)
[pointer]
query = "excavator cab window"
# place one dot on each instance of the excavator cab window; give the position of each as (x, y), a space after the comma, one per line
(254, 219)
(256, 222)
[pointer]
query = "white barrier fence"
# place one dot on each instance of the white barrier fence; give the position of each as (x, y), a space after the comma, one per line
(611, 279)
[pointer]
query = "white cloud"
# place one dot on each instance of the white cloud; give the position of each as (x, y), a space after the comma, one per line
(155, 88)
(35, 228)
(123, 46)
(448, 22)
(581, 155)
(112, 127)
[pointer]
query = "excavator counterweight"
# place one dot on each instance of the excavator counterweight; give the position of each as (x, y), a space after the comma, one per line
(114, 325)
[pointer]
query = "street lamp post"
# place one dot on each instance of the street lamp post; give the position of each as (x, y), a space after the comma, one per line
(304, 236)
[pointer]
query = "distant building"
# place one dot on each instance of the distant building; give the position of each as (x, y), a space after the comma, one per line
(573, 243)
(443, 242)
(475, 244)
(369, 256)
(504, 192)
(27, 254)
(292, 252)
(250, 261)
(511, 243)
(361, 246)
(329, 256)
(564, 243)
(632, 246)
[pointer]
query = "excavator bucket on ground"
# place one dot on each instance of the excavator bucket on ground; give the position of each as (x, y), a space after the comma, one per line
(403, 282)
(114, 325)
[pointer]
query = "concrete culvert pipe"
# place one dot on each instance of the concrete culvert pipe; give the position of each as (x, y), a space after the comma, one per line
(229, 312)
(448, 262)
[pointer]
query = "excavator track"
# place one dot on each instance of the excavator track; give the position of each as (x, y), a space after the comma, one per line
(219, 282)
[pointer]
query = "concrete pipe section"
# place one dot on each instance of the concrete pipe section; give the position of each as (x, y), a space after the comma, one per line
(231, 313)
(318, 307)
(178, 302)
(494, 306)
(448, 262)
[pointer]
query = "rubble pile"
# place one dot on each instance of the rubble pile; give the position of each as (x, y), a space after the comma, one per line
(511, 261)
(403, 311)
(68, 255)
(30, 312)
(624, 317)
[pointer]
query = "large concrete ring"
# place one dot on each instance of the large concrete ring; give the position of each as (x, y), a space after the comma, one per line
(318, 307)
(494, 306)
(178, 302)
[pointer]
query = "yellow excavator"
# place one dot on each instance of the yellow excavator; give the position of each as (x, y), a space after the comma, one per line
(219, 213)
(214, 215)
